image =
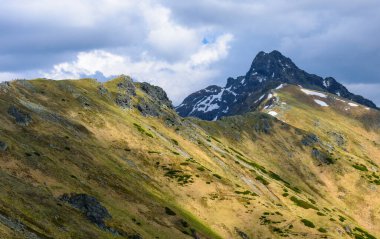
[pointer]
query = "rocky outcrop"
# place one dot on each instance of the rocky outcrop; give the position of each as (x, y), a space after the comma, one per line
(263, 124)
(245, 93)
(19, 228)
(157, 94)
(127, 90)
(89, 206)
(148, 109)
(309, 140)
(155, 102)
(22, 118)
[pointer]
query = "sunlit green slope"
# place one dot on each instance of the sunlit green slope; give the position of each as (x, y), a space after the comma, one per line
(310, 173)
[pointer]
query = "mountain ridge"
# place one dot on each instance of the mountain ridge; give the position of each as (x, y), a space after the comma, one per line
(245, 93)
(84, 159)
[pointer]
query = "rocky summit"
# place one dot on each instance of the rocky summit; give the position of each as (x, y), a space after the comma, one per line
(245, 93)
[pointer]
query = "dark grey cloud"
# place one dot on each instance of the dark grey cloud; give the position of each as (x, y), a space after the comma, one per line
(329, 38)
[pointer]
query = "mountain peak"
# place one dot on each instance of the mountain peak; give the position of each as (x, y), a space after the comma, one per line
(245, 93)
(269, 63)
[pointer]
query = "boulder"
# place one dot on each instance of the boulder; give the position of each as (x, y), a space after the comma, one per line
(242, 234)
(3, 146)
(309, 140)
(89, 206)
(322, 157)
(22, 118)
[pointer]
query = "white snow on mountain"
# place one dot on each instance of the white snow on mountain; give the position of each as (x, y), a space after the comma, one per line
(321, 103)
(311, 92)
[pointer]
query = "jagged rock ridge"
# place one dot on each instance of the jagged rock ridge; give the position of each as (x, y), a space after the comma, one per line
(245, 93)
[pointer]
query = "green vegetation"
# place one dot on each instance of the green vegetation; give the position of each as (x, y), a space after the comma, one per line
(153, 152)
(217, 140)
(234, 150)
(246, 192)
(360, 167)
(142, 130)
(277, 177)
(253, 164)
(217, 176)
(362, 234)
(182, 177)
(170, 212)
(321, 229)
(302, 203)
(341, 218)
(262, 180)
(175, 142)
(308, 223)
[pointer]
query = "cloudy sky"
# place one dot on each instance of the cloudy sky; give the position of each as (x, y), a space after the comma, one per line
(184, 46)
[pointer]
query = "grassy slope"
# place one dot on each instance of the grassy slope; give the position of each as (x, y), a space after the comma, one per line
(221, 177)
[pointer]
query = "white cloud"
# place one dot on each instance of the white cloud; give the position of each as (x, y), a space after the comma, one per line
(7, 76)
(178, 79)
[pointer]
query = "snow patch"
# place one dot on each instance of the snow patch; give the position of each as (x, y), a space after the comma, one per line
(353, 104)
(279, 87)
(261, 79)
(273, 113)
(321, 103)
(340, 100)
(310, 92)
(261, 97)
(210, 103)
(326, 83)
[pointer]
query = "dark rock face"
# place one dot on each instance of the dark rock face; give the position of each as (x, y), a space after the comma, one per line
(3, 146)
(245, 93)
(22, 118)
(156, 101)
(89, 206)
(157, 94)
(148, 109)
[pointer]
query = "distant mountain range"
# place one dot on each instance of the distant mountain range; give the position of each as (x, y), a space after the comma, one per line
(245, 93)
